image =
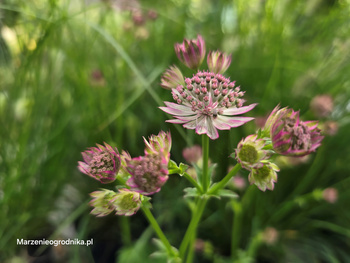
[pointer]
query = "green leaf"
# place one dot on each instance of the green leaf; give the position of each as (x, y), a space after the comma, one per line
(191, 192)
(183, 168)
(226, 193)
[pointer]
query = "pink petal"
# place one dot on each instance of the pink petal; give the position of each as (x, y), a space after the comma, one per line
(241, 110)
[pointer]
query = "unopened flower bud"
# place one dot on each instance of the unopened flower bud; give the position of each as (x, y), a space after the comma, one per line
(264, 177)
(218, 62)
(191, 52)
(172, 78)
(250, 153)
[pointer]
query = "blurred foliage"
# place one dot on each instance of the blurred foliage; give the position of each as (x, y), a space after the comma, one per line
(76, 73)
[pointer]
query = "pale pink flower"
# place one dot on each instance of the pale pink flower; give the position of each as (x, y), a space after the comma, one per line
(192, 154)
(208, 102)
(101, 163)
(330, 194)
(322, 105)
(172, 78)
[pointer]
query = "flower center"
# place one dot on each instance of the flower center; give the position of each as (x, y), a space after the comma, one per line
(248, 153)
(150, 173)
(301, 136)
(208, 92)
(101, 163)
(263, 172)
(128, 202)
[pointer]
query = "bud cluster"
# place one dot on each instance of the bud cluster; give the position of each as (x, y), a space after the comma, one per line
(144, 175)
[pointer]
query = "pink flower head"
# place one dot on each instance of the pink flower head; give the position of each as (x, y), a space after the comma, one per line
(149, 173)
(293, 137)
(218, 62)
(264, 177)
(191, 52)
(172, 78)
(322, 105)
(159, 145)
(250, 153)
(208, 102)
(101, 163)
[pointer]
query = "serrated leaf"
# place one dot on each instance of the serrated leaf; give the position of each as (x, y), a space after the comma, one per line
(191, 192)
(159, 244)
(146, 201)
(227, 193)
(172, 165)
(183, 167)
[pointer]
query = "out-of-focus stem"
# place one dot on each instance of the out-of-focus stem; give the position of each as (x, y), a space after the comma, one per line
(236, 227)
(225, 180)
(191, 230)
(158, 230)
(205, 174)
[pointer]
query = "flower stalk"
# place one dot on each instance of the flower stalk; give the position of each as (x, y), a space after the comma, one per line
(158, 230)
(205, 173)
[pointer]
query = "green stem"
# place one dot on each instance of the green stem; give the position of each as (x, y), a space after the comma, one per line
(158, 230)
(236, 228)
(125, 229)
(192, 181)
(205, 174)
(191, 230)
(225, 180)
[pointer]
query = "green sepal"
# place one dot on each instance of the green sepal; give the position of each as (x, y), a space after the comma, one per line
(174, 169)
(145, 200)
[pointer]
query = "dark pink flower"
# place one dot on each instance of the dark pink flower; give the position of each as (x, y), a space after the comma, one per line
(149, 173)
(291, 136)
(101, 163)
(191, 52)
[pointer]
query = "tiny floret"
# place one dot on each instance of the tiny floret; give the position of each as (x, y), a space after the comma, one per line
(218, 62)
(101, 163)
(264, 177)
(191, 52)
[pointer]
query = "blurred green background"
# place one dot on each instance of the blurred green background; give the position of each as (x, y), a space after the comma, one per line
(76, 73)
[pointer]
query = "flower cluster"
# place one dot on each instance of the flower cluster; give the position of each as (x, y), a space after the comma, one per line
(207, 101)
(144, 175)
(285, 134)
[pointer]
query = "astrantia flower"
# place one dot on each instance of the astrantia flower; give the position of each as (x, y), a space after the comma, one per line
(191, 52)
(127, 202)
(102, 202)
(207, 103)
(264, 177)
(172, 78)
(218, 62)
(192, 154)
(159, 145)
(250, 153)
(293, 137)
(149, 173)
(101, 163)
